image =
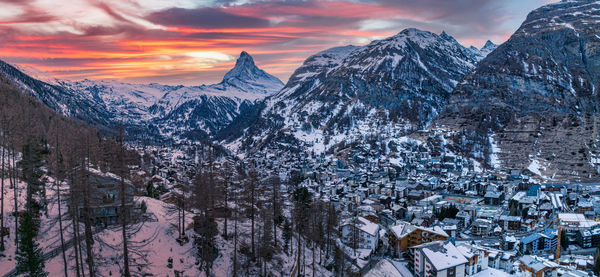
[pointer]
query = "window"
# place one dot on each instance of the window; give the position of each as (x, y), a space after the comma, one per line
(451, 272)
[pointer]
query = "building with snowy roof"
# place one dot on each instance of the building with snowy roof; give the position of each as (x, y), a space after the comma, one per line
(437, 259)
(360, 233)
(532, 266)
(406, 235)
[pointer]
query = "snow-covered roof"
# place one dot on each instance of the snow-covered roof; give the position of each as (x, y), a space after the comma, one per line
(403, 229)
(571, 217)
(365, 225)
(537, 263)
(387, 268)
(491, 272)
(442, 255)
(466, 250)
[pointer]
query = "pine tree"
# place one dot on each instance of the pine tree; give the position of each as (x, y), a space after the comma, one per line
(29, 255)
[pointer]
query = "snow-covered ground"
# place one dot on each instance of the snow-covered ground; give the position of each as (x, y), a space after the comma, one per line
(152, 242)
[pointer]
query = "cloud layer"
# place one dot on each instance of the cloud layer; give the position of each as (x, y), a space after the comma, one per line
(184, 42)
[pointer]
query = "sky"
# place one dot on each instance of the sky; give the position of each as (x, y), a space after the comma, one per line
(195, 42)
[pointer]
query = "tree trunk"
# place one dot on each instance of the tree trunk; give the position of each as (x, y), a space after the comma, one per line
(89, 239)
(60, 225)
(15, 185)
(252, 217)
(275, 219)
(303, 258)
(124, 214)
(235, 239)
(298, 251)
(314, 248)
(183, 217)
(226, 208)
(124, 211)
(179, 218)
(75, 234)
(2, 195)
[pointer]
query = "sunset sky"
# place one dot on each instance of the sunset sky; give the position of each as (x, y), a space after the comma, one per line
(195, 42)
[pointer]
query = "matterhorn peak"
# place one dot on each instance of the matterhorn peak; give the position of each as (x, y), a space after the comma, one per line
(245, 72)
(244, 68)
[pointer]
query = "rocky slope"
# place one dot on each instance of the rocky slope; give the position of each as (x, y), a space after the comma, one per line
(402, 81)
(533, 102)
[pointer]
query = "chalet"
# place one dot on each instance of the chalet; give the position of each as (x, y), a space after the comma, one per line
(405, 235)
(105, 198)
(508, 242)
(532, 266)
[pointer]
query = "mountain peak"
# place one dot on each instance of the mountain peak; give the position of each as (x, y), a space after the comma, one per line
(245, 72)
(412, 32)
(445, 36)
(244, 66)
(245, 58)
(489, 45)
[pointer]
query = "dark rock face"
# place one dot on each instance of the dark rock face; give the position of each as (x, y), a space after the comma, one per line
(538, 93)
(412, 72)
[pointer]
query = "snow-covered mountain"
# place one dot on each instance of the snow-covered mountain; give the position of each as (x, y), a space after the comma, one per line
(485, 50)
(536, 96)
(58, 97)
(402, 81)
(154, 110)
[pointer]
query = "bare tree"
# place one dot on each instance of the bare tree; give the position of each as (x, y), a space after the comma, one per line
(124, 209)
(277, 215)
(251, 196)
(227, 180)
(14, 184)
(235, 231)
(266, 248)
(87, 214)
(3, 146)
(74, 211)
(58, 175)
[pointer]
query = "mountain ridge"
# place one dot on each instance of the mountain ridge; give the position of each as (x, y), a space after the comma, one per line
(407, 76)
(148, 109)
(536, 94)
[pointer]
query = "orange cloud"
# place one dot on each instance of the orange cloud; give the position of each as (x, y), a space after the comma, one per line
(77, 39)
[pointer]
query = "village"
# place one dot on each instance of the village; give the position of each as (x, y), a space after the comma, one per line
(423, 211)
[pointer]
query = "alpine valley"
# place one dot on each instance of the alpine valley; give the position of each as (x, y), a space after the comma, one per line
(529, 104)
(411, 155)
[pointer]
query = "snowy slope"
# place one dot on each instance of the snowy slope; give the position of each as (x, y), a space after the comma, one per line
(401, 82)
(152, 242)
(485, 50)
(158, 110)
